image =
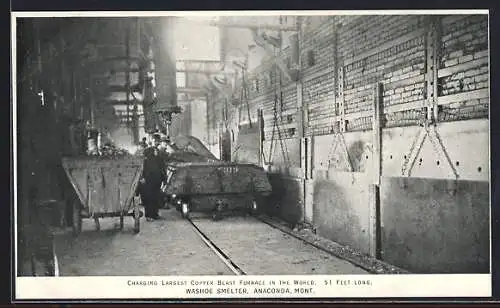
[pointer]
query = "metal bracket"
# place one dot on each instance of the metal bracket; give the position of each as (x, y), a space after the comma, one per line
(339, 138)
(439, 148)
(430, 132)
(414, 151)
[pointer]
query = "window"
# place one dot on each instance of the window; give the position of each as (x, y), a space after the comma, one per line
(180, 79)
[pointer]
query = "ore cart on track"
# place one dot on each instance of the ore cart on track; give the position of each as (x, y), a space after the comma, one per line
(216, 187)
(105, 187)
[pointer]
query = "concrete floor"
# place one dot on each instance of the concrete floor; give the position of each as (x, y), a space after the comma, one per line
(171, 247)
(259, 249)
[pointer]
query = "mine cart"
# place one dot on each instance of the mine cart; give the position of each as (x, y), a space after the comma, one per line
(199, 182)
(105, 187)
(216, 187)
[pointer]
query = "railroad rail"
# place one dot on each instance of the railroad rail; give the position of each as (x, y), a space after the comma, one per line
(239, 252)
(218, 252)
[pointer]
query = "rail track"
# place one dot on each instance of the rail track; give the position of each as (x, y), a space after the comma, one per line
(259, 248)
(218, 252)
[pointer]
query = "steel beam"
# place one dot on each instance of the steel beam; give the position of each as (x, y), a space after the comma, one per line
(190, 90)
(228, 24)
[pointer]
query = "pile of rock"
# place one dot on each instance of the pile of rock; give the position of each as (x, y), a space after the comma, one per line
(109, 150)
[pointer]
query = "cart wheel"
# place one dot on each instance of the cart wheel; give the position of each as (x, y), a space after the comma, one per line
(217, 213)
(77, 219)
(216, 216)
(33, 266)
(97, 224)
(121, 222)
(137, 219)
(185, 209)
(50, 269)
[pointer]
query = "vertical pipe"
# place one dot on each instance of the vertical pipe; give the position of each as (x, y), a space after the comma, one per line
(207, 115)
(377, 133)
(135, 112)
(127, 71)
(429, 53)
(64, 83)
(92, 104)
(73, 83)
(245, 95)
(260, 123)
(302, 126)
(436, 53)
(38, 47)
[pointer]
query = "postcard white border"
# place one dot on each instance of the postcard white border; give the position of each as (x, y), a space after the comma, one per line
(224, 287)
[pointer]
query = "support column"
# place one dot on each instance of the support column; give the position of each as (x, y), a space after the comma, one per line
(127, 72)
(305, 142)
(375, 214)
(260, 125)
(432, 55)
(340, 91)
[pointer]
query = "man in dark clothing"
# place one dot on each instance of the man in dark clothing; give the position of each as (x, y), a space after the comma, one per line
(153, 176)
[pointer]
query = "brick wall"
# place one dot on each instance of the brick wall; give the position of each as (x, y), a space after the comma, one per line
(464, 67)
(342, 58)
(367, 50)
(318, 48)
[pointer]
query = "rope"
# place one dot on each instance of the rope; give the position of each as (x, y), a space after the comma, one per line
(245, 96)
(284, 149)
(271, 147)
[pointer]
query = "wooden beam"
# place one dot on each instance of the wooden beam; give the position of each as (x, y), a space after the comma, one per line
(243, 25)
(254, 26)
(191, 90)
(341, 99)
(317, 74)
(444, 72)
(375, 219)
(406, 106)
(260, 125)
(124, 88)
(477, 94)
(204, 72)
(377, 114)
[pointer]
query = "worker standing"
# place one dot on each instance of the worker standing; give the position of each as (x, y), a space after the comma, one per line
(153, 176)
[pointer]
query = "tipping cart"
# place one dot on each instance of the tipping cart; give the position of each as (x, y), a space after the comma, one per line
(105, 187)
